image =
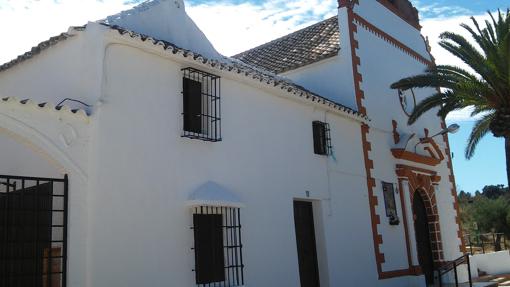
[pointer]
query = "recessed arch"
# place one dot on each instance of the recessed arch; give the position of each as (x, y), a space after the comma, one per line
(424, 184)
(420, 205)
(41, 144)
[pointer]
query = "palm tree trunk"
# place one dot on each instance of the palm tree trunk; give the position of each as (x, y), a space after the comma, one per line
(507, 151)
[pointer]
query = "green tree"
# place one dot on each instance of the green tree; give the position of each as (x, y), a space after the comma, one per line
(487, 89)
(494, 191)
(491, 215)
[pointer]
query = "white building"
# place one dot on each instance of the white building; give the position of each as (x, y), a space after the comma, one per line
(287, 165)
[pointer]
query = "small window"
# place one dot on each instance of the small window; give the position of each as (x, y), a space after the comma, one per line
(218, 247)
(321, 138)
(201, 105)
(389, 203)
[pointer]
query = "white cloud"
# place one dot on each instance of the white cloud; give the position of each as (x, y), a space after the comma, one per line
(235, 28)
(24, 23)
(232, 28)
(432, 28)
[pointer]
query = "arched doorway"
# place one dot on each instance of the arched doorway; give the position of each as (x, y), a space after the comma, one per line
(423, 242)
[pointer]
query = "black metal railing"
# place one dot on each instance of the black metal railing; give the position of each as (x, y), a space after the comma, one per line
(453, 266)
(33, 231)
(486, 242)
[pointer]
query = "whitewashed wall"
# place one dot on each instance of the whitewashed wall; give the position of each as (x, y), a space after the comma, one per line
(145, 171)
(43, 142)
(386, 20)
(382, 64)
(330, 78)
(130, 207)
(69, 69)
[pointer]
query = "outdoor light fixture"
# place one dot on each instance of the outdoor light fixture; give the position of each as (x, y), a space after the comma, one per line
(453, 128)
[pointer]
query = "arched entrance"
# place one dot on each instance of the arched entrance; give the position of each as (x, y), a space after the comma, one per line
(423, 242)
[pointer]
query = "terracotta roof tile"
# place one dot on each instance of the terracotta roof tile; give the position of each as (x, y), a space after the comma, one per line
(306, 46)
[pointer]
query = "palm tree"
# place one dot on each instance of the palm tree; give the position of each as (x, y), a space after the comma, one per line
(486, 90)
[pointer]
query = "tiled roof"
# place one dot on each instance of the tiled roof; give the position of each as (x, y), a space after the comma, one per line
(250, 71)
(232, 65)
(41, 47)
(306, 46)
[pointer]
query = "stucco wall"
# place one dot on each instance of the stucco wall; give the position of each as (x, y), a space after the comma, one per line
(266, 156)
(69, 69)
(491, 263)
(389, 22)
(382, 63)
(330, 78)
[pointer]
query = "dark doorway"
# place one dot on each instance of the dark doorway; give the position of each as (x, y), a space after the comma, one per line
(32, 231)
(306, 247)
(421, 229)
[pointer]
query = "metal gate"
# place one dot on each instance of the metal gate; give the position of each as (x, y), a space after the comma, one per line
(33, 231)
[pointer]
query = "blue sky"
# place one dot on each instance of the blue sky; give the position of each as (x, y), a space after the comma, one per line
(236, 25)
(448, 8)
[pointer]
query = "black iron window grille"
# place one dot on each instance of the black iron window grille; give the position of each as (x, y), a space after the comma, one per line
(217, 246)
(201, 105)
(321, 138)
(33, 231)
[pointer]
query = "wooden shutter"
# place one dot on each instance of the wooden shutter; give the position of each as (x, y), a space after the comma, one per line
(192, 105)
(209, 258)
(319, 138)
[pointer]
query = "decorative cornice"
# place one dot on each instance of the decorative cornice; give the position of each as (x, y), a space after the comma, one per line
(63, 111)
(390, 39)
(405, 10)
(347, 3)
(414, 157)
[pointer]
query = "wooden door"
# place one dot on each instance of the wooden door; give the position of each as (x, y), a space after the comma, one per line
(306, 246)
(423, 246)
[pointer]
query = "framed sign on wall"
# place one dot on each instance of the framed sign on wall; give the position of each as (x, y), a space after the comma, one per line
(390, 203)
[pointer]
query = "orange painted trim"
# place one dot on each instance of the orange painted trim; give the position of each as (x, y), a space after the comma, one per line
(369, 164)
(414, 157)
(434, 145)
(423, 184)
(416, 270)
(390, 39)
(462, 246)
(395, 273)
(404, 219)
(347, 3)
(397, 12)
(418, 169)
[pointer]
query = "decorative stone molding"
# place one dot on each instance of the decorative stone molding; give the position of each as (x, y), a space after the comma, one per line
(422, 181)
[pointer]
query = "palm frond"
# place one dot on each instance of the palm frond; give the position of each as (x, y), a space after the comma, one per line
(480, 129)
(434, 101)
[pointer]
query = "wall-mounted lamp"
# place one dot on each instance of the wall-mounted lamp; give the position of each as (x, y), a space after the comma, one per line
(453, 128)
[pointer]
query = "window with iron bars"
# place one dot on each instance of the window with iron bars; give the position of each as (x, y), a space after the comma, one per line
(321, 138)
(201, 105)
(217, 246)
(33, 228)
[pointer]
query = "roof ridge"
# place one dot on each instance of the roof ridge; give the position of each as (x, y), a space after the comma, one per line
(228, 64)
(239, 67)
(41, 47)
(286, 36)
